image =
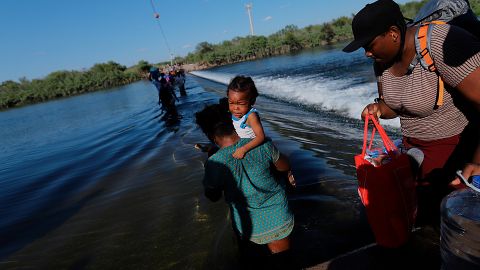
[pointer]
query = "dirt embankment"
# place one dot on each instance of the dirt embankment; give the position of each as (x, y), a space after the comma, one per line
(193, 67)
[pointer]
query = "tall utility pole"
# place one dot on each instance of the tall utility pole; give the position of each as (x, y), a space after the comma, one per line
(249, 11)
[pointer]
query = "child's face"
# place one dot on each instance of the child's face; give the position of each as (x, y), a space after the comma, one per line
(238, 103)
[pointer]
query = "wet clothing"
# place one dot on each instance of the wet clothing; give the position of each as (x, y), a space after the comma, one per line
(166, 97)
(243, 130)
(181, 84)
(443, 157)
(257, 200)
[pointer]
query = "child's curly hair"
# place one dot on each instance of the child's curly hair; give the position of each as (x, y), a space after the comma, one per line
(244, 84)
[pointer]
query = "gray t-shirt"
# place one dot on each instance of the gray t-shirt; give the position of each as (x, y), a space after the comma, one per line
(456, 54)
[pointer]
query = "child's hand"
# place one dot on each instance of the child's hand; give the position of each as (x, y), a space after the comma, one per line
(291, 179)
(203, 147)
(239, 153)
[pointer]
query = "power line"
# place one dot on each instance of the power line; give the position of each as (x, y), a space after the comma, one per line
(157, 19)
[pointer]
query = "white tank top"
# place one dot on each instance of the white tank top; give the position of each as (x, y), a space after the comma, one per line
(243, 130)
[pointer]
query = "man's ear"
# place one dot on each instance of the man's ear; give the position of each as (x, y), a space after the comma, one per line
(394, 32)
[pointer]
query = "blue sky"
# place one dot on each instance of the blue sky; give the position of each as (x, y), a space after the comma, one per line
(41, 36)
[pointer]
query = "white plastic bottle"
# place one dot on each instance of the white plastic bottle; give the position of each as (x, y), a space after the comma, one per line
(460, 228)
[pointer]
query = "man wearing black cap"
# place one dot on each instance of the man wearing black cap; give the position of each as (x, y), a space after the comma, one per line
(447, 134)
(374, 19)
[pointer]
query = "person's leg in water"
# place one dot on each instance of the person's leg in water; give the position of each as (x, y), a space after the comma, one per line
(173, 109)
(165, 106)
(281, 255)
(183, 92)
(159, 96)
(158, 86)
(168, 103)
(252, 256)
(274, 255)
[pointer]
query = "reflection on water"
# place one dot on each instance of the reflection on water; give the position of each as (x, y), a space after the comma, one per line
(100, 181)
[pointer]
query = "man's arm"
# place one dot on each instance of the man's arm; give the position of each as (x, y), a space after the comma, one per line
(470, 88)
(213, 194)
(213, 180)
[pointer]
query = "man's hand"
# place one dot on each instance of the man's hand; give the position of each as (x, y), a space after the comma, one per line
(373, 109)
(469, 170)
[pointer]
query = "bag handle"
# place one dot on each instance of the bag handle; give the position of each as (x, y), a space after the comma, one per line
(389, 145)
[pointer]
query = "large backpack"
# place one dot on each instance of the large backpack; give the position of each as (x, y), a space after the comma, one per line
(454, 12)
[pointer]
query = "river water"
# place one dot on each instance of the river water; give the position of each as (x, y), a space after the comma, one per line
(100, 181)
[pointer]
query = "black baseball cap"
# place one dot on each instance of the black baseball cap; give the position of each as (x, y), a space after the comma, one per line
(371, 21)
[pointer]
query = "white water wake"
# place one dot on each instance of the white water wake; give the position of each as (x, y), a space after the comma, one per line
(341, 96)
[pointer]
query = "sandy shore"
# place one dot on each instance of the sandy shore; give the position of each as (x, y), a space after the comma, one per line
(195, 66)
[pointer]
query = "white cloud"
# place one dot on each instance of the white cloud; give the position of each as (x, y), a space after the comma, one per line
(186, 46)
(268, 18)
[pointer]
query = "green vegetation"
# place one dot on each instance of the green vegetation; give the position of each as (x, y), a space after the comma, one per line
(67, 83)
(288, 40)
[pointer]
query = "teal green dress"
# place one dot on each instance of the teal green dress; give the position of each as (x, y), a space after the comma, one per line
(257, 200)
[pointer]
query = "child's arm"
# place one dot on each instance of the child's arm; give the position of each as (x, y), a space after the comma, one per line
(253, 121)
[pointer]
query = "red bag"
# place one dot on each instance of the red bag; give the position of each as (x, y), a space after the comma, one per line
(387, 191)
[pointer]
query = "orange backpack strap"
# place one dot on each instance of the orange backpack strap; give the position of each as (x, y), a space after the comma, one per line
(422, 47)
(440, 89)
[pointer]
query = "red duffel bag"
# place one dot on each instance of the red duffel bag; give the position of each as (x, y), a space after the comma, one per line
(386, 189)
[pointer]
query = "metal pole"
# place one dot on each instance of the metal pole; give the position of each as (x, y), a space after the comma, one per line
(249, 11)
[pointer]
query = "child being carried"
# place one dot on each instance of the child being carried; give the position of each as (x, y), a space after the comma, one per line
(242, 94)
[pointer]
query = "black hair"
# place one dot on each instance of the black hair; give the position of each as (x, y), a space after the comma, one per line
(215, 120)
(223, 102)
(244, 84)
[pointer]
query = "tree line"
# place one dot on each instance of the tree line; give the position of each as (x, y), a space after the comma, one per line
(65, 83)
(290, 39)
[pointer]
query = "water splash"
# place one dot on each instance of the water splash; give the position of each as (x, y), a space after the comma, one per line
(344, 96)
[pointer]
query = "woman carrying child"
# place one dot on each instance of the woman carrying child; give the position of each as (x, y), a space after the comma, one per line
(261, 218)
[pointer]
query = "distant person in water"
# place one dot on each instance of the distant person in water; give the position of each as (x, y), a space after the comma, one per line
(242, 94)
(181, 82)
(166, 93)
(154, 76)
(257, 199)
(167, 98)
